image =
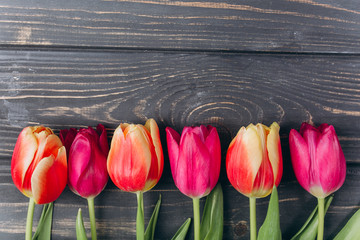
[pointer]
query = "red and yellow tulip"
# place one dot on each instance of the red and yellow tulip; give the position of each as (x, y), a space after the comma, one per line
(254, 164)
(135, 162)
(38, 164)
(254, 160)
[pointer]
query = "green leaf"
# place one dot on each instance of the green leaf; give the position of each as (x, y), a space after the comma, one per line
(271, 226)
(310, 228)
(212, 223)
(150, 230)
(43, 231)
(351, 230)
(80, 229)
(181, 233)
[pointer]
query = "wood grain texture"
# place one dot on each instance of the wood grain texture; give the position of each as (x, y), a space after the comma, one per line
(271, 26)
(77, 89)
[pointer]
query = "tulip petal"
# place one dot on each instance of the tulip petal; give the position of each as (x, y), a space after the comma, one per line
(119, 150)
(49, 178)
(48, 145)
(87, 162)
(103, 139)
(94, 177)
(264, 181)
(244, 159)
(306, 127)
(79, 161)
(24, 152)
(213, 145)
(153, 128)
(173, 139)
(274, 151)
(300, 158)
(202, 132)
(331, 161)
(193, 158)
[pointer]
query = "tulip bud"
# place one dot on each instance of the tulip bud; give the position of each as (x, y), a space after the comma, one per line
(254, 160)
(135, 162)
(317, 158)
(88, 150)
(195, 159)
(38, 164)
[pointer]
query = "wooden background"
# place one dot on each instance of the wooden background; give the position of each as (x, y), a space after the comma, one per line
(226, 63)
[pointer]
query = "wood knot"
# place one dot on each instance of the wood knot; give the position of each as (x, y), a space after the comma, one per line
(241, 228)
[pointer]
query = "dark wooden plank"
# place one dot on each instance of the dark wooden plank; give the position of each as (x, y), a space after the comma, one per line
(276, 26)
(74, 89)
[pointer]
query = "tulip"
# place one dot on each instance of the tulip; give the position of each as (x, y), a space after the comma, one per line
(319, 163)
(38, 168)
(254, 164)
(87, 170)
(195, 159)
(135, 162)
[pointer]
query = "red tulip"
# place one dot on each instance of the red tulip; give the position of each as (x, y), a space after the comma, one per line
(195, 159)
(86, 160)
(254, 160)
(317, 159)
(135, 162)
(38, 164)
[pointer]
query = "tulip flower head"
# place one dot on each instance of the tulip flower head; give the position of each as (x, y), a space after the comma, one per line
(195, 159)
(254, 160)
(38, 164)
(317, 158)
(135, 162)
(87, 155)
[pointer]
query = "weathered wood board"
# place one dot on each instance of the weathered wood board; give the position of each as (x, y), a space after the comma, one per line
(270, 26)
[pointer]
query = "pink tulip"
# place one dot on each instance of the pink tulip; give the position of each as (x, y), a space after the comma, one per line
(317, 159)
(88, 150)
(195, 159)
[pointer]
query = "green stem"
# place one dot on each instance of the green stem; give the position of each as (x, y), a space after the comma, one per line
(320, 235)
(196, 206)
(140, 228)
(253, 229)
(92, 218)
(29, 219)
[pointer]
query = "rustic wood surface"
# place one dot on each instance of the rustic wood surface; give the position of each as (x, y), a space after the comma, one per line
(80, 63)
(247, 25)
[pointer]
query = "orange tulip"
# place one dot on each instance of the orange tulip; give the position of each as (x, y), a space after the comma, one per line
(38, 165)
(135, 161)
(254, 160)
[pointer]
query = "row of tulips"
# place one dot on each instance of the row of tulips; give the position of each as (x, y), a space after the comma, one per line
(43, 164)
